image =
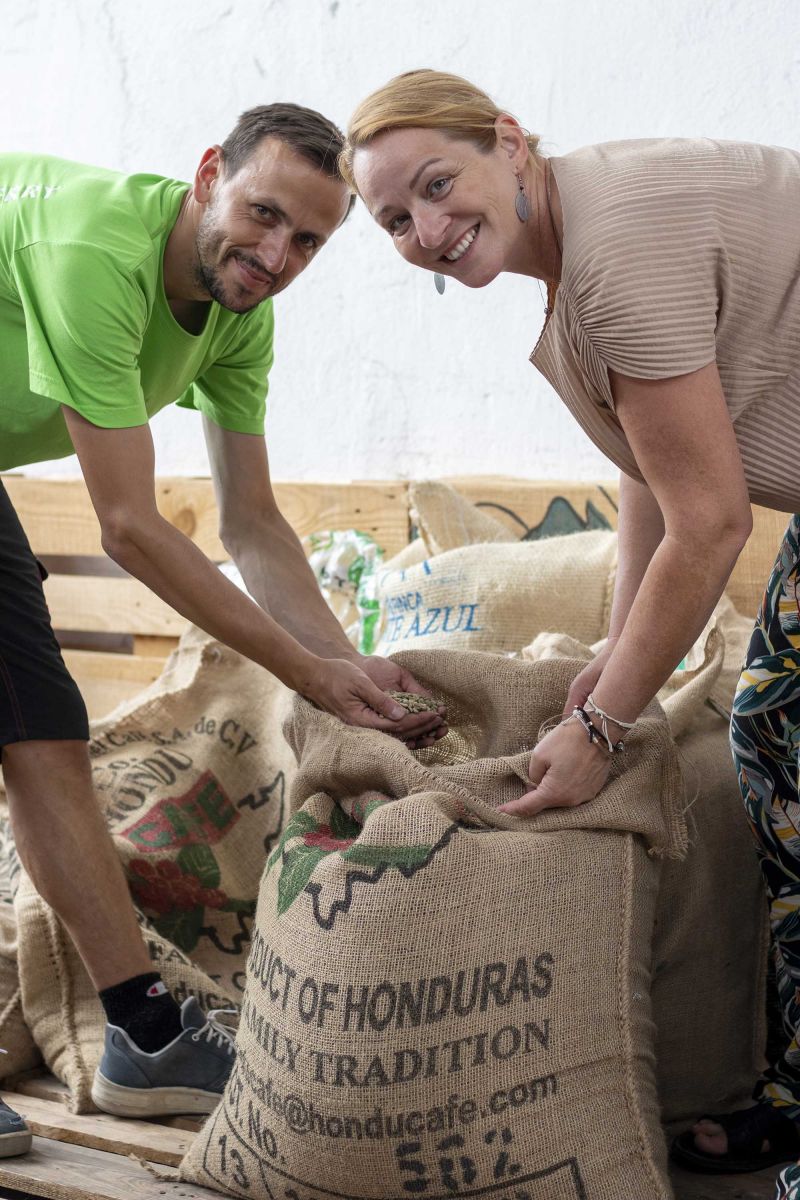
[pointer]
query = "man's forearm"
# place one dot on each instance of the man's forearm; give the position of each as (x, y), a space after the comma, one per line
(169, 564)
(270, 557)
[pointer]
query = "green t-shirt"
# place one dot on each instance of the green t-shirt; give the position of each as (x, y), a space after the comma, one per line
(84, 320)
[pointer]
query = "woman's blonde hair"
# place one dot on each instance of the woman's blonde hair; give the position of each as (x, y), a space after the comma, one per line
(428, 100)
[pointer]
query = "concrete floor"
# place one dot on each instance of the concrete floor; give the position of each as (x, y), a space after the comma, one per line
(724, 1187)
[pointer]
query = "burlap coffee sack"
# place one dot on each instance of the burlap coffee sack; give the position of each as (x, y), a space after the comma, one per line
(440, 995)
(550, 508)
(711, 933)
(446, 520)
(710, 943)
(707, 677)
(497, 597)
(710, 672)
(494, 718)
(20, 1052)
(749, 577)
(193, 781)
(415, 552)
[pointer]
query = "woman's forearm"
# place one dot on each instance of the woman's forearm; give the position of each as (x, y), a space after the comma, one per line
(641, 530)
(680, 588)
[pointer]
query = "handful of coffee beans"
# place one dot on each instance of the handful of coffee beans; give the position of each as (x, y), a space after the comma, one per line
(414, 703)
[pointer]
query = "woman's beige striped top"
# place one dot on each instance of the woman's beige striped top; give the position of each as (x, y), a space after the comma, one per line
(677, 252)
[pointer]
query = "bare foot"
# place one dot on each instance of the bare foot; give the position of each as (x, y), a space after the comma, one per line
(711, 1138)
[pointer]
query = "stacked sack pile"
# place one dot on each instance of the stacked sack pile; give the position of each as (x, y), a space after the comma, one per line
(442, 999)
(193, 776)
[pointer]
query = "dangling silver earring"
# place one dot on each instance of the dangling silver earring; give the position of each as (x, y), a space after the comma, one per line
(438, 281)
(521, 201)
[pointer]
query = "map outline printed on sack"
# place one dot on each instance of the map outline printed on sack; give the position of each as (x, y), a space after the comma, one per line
(319, 839)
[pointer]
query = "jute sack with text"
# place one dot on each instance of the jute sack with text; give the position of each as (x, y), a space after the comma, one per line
(19, 1051)
(192, 777)
(548, 508)
(443, 999)
(497, 597)
(711, 933)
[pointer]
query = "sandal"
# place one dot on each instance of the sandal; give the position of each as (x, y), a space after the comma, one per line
(746, 1130)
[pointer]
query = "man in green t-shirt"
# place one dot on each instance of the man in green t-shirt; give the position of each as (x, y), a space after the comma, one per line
(118, 295)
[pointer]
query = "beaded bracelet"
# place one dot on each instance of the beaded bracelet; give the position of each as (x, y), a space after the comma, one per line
(605, 718)
(598, 738)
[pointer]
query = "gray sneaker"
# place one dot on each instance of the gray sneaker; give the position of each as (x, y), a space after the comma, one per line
(15, 1137)
(187, 1076)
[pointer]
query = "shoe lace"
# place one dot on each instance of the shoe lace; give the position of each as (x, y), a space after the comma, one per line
(216, 1033)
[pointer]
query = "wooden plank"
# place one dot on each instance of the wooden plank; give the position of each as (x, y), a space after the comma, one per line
(57, 514)
(51, 1119)
(107, 679)
(59, 518)
(109, 606)
(377, 507)
(193, 1124)
(154, 647)
(117, 668)
(39, 1083)
(42, 1084)
(60, 1171)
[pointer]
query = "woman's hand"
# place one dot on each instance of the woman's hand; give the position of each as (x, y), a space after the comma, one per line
(584, 684)
(566, 770)
(342, 688)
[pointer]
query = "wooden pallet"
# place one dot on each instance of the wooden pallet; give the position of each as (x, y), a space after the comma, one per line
(98, 1157)
(94, 1157)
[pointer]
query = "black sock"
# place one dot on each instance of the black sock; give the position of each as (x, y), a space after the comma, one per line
(144, 1008)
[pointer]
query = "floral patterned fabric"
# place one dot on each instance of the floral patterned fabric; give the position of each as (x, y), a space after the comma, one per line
(789, 1183)
(765, 736)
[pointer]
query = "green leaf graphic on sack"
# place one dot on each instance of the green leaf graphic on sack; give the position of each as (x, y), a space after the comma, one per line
(306, 842)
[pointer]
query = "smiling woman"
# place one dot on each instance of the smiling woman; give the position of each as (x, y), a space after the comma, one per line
(407, 147)
(673, 336)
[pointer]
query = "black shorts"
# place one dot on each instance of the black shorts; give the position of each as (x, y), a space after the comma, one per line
(39, 699)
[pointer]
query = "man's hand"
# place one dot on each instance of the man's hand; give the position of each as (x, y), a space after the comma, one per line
(566, 770)
(419, 729)
(340, 687)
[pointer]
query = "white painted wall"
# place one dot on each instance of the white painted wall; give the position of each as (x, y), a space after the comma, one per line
(376, 376)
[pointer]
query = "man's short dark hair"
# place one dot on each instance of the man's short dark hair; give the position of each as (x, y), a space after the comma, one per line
(306, 131)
